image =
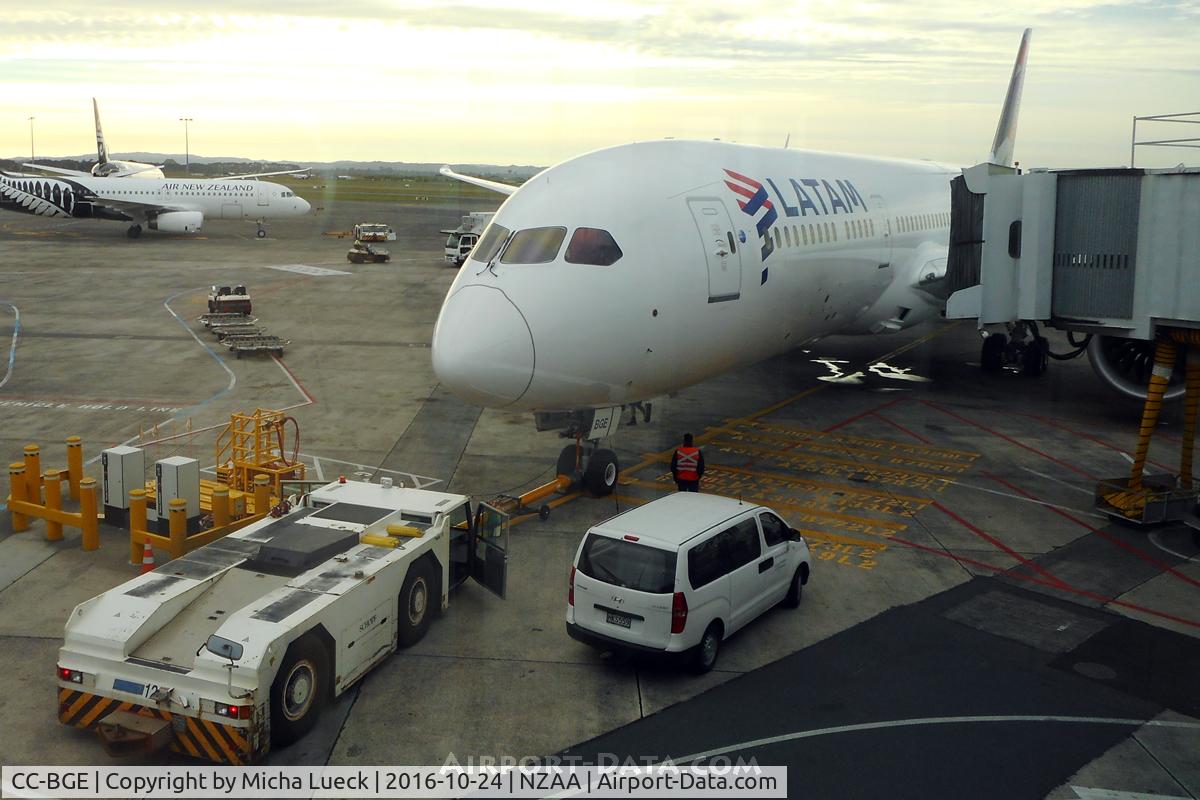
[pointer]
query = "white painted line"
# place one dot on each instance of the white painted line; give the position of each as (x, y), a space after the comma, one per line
(12, 350)
(1129, 458)
(1088, 513)
(306, 269)
(1089, 793)
(1058, 481)
(1154, 541)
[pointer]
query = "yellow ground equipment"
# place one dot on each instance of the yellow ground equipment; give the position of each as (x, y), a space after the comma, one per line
(1159, 498)
(255, 444)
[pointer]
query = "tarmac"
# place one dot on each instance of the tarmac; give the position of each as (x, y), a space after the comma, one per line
(972, 627)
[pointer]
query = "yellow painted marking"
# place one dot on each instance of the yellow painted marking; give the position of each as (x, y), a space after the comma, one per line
(836, 487)
(78, 704)
(841, 468)
(861, 441)
(838, 539)
(218, 734)
(194, 729)
(882, 449)
(630, 499)
(185, 739)
(91, 716)
(239, 741)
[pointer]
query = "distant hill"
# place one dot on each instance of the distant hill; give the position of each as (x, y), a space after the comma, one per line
(210, 166)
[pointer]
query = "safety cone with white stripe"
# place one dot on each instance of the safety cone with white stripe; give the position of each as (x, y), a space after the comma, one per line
(147, 558)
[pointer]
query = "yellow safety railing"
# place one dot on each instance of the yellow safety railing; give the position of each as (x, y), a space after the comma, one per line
(37, 494)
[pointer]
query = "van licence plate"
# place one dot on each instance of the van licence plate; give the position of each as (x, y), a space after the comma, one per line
(613, 618)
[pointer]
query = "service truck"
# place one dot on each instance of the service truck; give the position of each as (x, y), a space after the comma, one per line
(374, 232)
(239, 644)
(463, 238)
(229, 299)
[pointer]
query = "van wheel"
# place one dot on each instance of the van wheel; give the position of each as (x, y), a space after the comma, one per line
(795, 591)
(704, 655)
(298, 692)
(417, 596)
(600, 477)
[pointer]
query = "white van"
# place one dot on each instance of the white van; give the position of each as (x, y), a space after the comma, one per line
(681, 574)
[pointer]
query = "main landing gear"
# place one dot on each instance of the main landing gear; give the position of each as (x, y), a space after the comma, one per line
(262, 232)
(133, 231)
(585, 464)
(1022, 349)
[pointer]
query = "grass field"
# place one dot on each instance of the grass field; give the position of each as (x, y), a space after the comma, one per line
(322, 191)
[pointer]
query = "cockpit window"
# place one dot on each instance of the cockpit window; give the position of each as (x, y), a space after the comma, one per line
(489, 245)
(534, 246)
(593, 246)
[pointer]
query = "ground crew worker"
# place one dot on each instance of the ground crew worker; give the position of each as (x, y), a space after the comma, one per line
(687, 466)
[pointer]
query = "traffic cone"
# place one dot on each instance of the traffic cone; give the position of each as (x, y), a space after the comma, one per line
(147, 558)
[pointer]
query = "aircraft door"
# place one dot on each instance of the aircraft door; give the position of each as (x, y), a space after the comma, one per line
(721, 253)
(879, 208)
(489, 548)
(260, 191)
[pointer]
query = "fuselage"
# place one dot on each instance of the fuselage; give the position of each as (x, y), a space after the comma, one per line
(144, 199)
(726, 254)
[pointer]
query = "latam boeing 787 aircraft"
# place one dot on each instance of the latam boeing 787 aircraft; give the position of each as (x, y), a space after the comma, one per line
(638, 270)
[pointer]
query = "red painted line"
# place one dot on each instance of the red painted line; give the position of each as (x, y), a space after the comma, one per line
(1142, 554)
(311, 400)
(1011, 440)
(1052, 423)
(992, 540)
(900, 427)
(1063, 587)
(868, 413)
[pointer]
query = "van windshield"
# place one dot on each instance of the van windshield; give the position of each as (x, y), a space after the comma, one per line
(628, 564)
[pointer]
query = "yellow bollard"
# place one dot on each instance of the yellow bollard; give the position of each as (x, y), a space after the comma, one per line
(16, 477)
(74, 465)
(137, 525)
(178, 525)
(87, 509)
(262, 494)
(220, 506)
(33, 473)
(53, 480)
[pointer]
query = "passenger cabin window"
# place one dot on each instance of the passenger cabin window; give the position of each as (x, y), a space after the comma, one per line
(739, 545)
(628, 564)
(591, 246)
(534, 246)
(491, 242)
(774, 531)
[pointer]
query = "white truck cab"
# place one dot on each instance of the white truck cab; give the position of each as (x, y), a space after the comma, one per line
(462, 240)
(683, 573)
(239, 644)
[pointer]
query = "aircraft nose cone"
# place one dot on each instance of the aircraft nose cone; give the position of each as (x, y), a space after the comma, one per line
(303, 205)
(482, 347)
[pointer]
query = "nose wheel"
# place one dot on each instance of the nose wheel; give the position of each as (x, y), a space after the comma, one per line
(593, 468)
(262, 232)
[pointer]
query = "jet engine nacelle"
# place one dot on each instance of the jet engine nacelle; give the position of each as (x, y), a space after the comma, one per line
(1125, 365)
(178, 222)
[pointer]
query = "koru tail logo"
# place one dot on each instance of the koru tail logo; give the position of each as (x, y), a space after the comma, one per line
(756, 200)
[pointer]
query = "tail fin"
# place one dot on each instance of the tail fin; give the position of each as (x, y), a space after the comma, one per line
(1006, 129)
(101, 149)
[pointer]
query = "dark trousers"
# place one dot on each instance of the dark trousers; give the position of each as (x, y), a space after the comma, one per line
(687, 486)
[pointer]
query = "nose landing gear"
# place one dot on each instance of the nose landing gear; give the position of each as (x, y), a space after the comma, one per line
(590, 466)
(1022, 349)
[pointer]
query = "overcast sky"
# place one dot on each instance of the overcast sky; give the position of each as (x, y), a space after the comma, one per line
(533, 82)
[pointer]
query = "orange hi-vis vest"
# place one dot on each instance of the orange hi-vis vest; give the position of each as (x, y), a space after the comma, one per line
(687, 463)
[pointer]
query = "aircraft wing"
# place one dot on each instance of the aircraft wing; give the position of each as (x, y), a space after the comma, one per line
(262, 174)
(502, 188)
(59, 170)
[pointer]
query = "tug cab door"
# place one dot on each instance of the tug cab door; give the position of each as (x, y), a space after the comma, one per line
(489, 549)
(479, 548)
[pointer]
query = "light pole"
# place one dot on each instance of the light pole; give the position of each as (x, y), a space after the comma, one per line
(187, 150)
(31, 154)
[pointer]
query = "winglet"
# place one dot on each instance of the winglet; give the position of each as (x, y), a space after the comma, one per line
(101, 149)
(502, 188)
(1006, 129)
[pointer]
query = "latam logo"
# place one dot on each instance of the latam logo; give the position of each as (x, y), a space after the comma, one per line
(756, 200)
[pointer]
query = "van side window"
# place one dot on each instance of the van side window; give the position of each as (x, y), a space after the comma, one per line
(704, 563)
(739, 545)
(774, 531)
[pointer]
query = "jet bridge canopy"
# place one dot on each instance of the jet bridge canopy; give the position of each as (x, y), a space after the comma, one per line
(1111, 251)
